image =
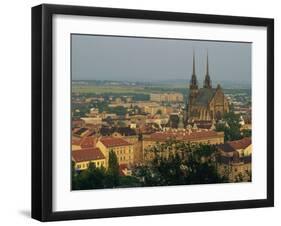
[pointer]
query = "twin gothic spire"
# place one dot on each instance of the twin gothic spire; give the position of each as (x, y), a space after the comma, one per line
(207, 80)
(193, 82)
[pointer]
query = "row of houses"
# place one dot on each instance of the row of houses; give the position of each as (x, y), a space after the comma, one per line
(234, 160)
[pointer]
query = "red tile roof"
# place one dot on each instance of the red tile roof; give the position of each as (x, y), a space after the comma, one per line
(87, 155)
(240, 144)
(162, 136)
(86, 142)
(76, 141)
(114, 142)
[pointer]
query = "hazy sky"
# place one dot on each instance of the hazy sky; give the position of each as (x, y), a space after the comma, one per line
(146, 59)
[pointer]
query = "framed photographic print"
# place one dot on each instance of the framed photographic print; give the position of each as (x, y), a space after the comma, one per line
(145, 112)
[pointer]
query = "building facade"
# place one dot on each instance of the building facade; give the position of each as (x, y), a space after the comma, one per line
(196, 137)
(166, 97)
(123, 149)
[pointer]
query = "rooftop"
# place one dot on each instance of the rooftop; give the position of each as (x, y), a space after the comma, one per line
(86, 142)
(240, 144)
(180, 135)
(114, 142)
(204, 96)
(87, 155)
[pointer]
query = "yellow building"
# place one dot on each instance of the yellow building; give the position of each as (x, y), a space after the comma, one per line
(166, 97)
(123, 149)
(83, 157)
(195, 137)
(137, 146)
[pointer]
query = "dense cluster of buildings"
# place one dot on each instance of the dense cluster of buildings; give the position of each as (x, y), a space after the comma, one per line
(166, 97)
(166, 116)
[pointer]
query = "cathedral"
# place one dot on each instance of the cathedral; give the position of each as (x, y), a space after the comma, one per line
(206, 103)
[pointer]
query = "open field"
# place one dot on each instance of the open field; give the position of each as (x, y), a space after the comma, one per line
(107, 89)
(100, 89)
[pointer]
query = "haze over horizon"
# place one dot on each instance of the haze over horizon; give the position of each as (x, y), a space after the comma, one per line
(150, 60)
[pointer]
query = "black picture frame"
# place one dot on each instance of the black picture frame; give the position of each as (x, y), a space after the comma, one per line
(42, 107)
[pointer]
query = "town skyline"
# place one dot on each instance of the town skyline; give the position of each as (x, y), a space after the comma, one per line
(172, 130)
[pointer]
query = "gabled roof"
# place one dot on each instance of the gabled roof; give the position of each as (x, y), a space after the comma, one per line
(232, 146)
(204, 96)
(114, 142)
(89, 154)
(240, 144)
(86, 142)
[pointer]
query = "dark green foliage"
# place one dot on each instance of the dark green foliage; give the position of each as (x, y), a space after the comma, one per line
(129, 181)
(246, 133)
(112, 179)
(94, 177)
(231, 127)
(190, 164)
(89, 179)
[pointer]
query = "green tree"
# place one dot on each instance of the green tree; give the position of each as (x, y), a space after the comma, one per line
(112, 179)
(246, 133)
(91, 178)
(186, 164)
(230, 127)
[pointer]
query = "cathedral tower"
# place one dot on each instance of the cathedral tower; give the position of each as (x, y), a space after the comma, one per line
(207, 81)
(193, 91)
(193, 82)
